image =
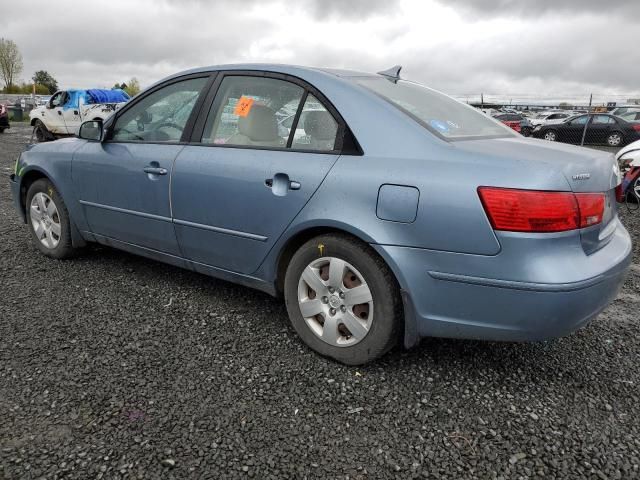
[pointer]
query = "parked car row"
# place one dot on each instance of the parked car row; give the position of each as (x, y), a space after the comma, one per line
(597, 129)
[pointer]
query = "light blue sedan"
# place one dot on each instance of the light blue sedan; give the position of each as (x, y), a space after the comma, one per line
(402, 214)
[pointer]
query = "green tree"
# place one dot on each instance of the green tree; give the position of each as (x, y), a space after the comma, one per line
(10, 61)
(133, 87)
(44, 78)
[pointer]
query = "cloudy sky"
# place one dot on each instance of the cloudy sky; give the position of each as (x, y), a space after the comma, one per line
(511, 47)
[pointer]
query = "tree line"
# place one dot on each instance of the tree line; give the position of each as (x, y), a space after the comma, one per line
(45, 84)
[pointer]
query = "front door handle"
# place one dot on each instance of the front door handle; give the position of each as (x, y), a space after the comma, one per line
(155, 170)
(280, 184)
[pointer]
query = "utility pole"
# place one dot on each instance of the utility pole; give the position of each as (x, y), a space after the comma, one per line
(584, 130)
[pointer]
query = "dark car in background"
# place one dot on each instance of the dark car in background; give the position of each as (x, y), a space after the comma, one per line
(4, 118)
(519, 123)
(601, 129)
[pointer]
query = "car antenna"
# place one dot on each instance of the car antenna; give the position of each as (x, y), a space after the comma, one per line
(392, 74)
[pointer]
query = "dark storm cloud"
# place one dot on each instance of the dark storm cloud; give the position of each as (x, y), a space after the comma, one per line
(319, 9)
(499, 46)
(533, 8)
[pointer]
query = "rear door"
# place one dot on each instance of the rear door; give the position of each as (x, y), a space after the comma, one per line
(243, 179)
(599, 129)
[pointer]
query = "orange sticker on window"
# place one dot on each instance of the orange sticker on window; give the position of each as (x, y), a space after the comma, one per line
(243, 107)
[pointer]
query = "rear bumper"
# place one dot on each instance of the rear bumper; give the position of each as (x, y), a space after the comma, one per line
(539, 297)
(15, 193)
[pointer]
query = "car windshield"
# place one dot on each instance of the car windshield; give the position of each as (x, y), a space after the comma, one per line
(437, 112)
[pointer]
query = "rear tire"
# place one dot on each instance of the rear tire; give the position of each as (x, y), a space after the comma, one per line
(354, 310)
(48, 220)
(615, 139)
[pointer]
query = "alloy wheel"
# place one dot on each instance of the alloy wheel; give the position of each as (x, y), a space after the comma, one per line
(614, 139)
(550, 136)
(45, 220)
(335, 301)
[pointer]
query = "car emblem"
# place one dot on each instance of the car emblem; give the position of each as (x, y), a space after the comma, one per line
(582, 176)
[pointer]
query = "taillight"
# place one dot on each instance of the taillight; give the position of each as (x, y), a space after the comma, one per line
(636, 127)
(537, 211)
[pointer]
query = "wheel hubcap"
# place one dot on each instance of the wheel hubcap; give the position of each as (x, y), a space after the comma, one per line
(550, 136)
(45, 220)
(335, 301)
(614, 139)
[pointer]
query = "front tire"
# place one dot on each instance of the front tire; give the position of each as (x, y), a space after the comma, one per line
(48, 220)
(42, 133)
(342, 299)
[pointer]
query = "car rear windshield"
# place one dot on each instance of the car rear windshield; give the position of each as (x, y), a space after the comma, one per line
(440, 114)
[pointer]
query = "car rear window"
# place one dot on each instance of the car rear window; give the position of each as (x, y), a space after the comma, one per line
(440, 114)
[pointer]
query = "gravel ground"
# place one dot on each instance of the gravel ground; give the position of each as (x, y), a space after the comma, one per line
(113, 366)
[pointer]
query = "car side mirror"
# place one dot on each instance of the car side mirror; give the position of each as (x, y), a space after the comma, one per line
(91, 131)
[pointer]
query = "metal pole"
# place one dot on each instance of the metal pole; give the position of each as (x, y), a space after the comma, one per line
(584, 130)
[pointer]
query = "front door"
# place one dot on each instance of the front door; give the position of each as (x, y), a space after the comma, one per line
(235, 192)
(571, 132)
(123, 183)
(71, 111)
(53, 117)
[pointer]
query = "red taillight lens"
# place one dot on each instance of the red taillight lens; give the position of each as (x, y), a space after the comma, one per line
(636, 127)
(535, 211)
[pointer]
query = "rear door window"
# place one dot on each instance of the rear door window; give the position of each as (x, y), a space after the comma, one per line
(603, 120)
(317, 129)
(249, 111)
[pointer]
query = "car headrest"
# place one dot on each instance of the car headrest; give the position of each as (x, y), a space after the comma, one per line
(260, 124)
(320, 125)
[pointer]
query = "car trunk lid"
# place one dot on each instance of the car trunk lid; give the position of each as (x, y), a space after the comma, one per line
(585, 170)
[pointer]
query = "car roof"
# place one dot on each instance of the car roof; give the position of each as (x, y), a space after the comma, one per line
(296, 70)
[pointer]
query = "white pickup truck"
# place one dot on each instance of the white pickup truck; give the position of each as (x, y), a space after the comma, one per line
(67, 109)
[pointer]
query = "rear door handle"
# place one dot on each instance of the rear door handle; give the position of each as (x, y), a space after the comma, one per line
(156, 170)
(280, 183)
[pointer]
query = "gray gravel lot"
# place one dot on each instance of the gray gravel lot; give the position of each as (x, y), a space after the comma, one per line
(113, 366)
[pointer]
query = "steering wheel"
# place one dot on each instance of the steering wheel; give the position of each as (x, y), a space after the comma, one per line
(169, 125)
(138, 137)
